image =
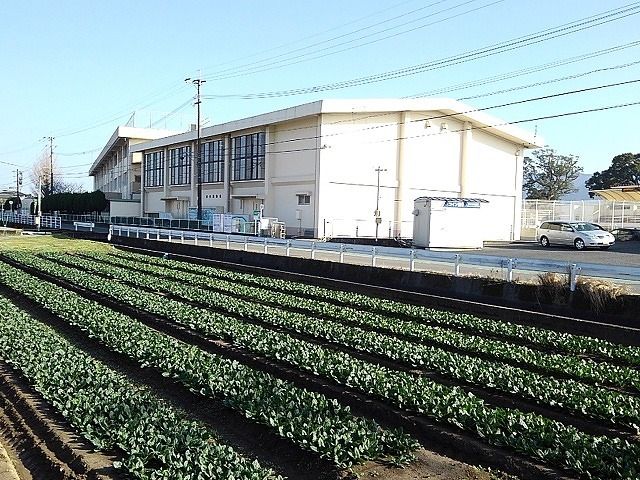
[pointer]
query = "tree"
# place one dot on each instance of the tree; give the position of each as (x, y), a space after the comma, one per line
(15, 204)
(624, 170)
(549, 176)
(41, 169)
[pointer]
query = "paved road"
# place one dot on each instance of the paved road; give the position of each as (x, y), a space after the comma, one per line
(622, 253)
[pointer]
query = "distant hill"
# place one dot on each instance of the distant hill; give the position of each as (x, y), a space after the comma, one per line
(582, 193)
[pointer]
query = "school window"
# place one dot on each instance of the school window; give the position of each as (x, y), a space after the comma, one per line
(304, 199)
(248, 153)
(212, 161)
(154, 169)
(180, 166)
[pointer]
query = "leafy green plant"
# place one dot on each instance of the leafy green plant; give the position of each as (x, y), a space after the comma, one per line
(309, 419)
(158, 441)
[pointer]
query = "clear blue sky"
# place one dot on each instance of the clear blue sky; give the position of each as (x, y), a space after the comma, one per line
(76, 69)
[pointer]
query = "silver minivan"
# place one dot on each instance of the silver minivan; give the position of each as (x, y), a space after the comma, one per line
(579, 234)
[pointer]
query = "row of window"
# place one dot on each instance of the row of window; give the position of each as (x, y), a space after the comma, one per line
(247, 162)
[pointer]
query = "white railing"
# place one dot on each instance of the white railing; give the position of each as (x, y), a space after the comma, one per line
(46, 221)
(405, 258)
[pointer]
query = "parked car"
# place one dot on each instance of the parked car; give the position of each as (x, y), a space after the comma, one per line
(624, 234)
(579, 234)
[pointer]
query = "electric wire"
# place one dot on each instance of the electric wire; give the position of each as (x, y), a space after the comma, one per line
(501, 47)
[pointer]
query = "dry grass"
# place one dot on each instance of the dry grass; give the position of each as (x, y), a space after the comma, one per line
(600, 293)
(44, 243)
(554, 287)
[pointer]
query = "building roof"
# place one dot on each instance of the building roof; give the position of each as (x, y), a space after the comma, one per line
(447, 107)
(128, 132)
(625, 193)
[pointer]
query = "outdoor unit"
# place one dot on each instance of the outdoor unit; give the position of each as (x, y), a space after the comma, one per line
(447, 222)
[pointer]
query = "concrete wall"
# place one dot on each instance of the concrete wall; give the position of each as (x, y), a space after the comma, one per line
(121, 208)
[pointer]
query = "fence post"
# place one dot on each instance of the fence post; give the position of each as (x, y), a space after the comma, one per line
(574, 270)
(412, 260)
(342, 253)
(313, 250)
(510, 264)
(374, 251)
(288, 248)
(456, 270)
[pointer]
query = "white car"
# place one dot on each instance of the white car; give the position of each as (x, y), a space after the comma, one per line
(579, 234)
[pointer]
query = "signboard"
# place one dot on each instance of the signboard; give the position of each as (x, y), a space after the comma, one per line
(461, 204)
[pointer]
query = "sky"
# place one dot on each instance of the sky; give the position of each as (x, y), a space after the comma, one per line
(75, 69)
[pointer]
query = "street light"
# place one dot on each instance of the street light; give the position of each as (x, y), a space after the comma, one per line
(376, 214)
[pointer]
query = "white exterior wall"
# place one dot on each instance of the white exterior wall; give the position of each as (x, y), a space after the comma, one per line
(354, 145)
(332, 154)
(495, 174)
(291, 170)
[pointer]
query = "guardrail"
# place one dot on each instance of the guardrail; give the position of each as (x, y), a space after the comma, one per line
(410, 257)
(46, 221)
(89, 225)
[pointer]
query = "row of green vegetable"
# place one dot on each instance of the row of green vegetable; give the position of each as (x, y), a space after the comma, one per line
(536, 336)
(532, 434)
(579, 368)
(311, 420)
(158, 441)
(576, 397)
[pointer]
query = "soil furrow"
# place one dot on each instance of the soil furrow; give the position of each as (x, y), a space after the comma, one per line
(432, 435)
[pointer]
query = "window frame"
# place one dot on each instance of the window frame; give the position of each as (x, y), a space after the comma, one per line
(180, 160)
(154, 169)
(248, 154)
(212, 161)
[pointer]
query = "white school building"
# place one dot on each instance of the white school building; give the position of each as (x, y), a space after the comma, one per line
(316, 166)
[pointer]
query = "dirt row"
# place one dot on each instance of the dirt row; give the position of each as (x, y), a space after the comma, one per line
(492, 396)
(435, 437)
(40, 442)
(365, 308)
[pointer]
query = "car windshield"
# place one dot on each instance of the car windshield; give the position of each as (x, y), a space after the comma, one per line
(585, 227)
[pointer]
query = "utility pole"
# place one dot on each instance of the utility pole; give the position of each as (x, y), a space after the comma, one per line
(50, 139)
(376, 214)
(197, 82)
(18, 183)
(39, 211)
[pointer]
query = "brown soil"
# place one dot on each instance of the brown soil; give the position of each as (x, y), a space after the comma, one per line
(435, 437)
(40, 442)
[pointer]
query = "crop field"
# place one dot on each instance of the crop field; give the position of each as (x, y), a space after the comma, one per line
(152, 368)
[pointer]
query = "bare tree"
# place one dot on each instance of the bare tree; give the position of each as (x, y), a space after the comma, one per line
(41, 170)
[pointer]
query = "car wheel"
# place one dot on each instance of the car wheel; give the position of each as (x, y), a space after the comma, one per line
(605, 247)
(579, 244)
(544, 241)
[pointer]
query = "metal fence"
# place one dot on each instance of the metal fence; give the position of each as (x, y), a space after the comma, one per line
(406, 258)
(608, 214)
(46, 221)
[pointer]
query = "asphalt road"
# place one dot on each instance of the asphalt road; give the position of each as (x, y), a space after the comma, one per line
(621, 253)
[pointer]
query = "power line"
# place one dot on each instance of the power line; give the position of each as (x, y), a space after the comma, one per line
(391, 7)
(464, 57)
(527, 71)
(256, 67)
